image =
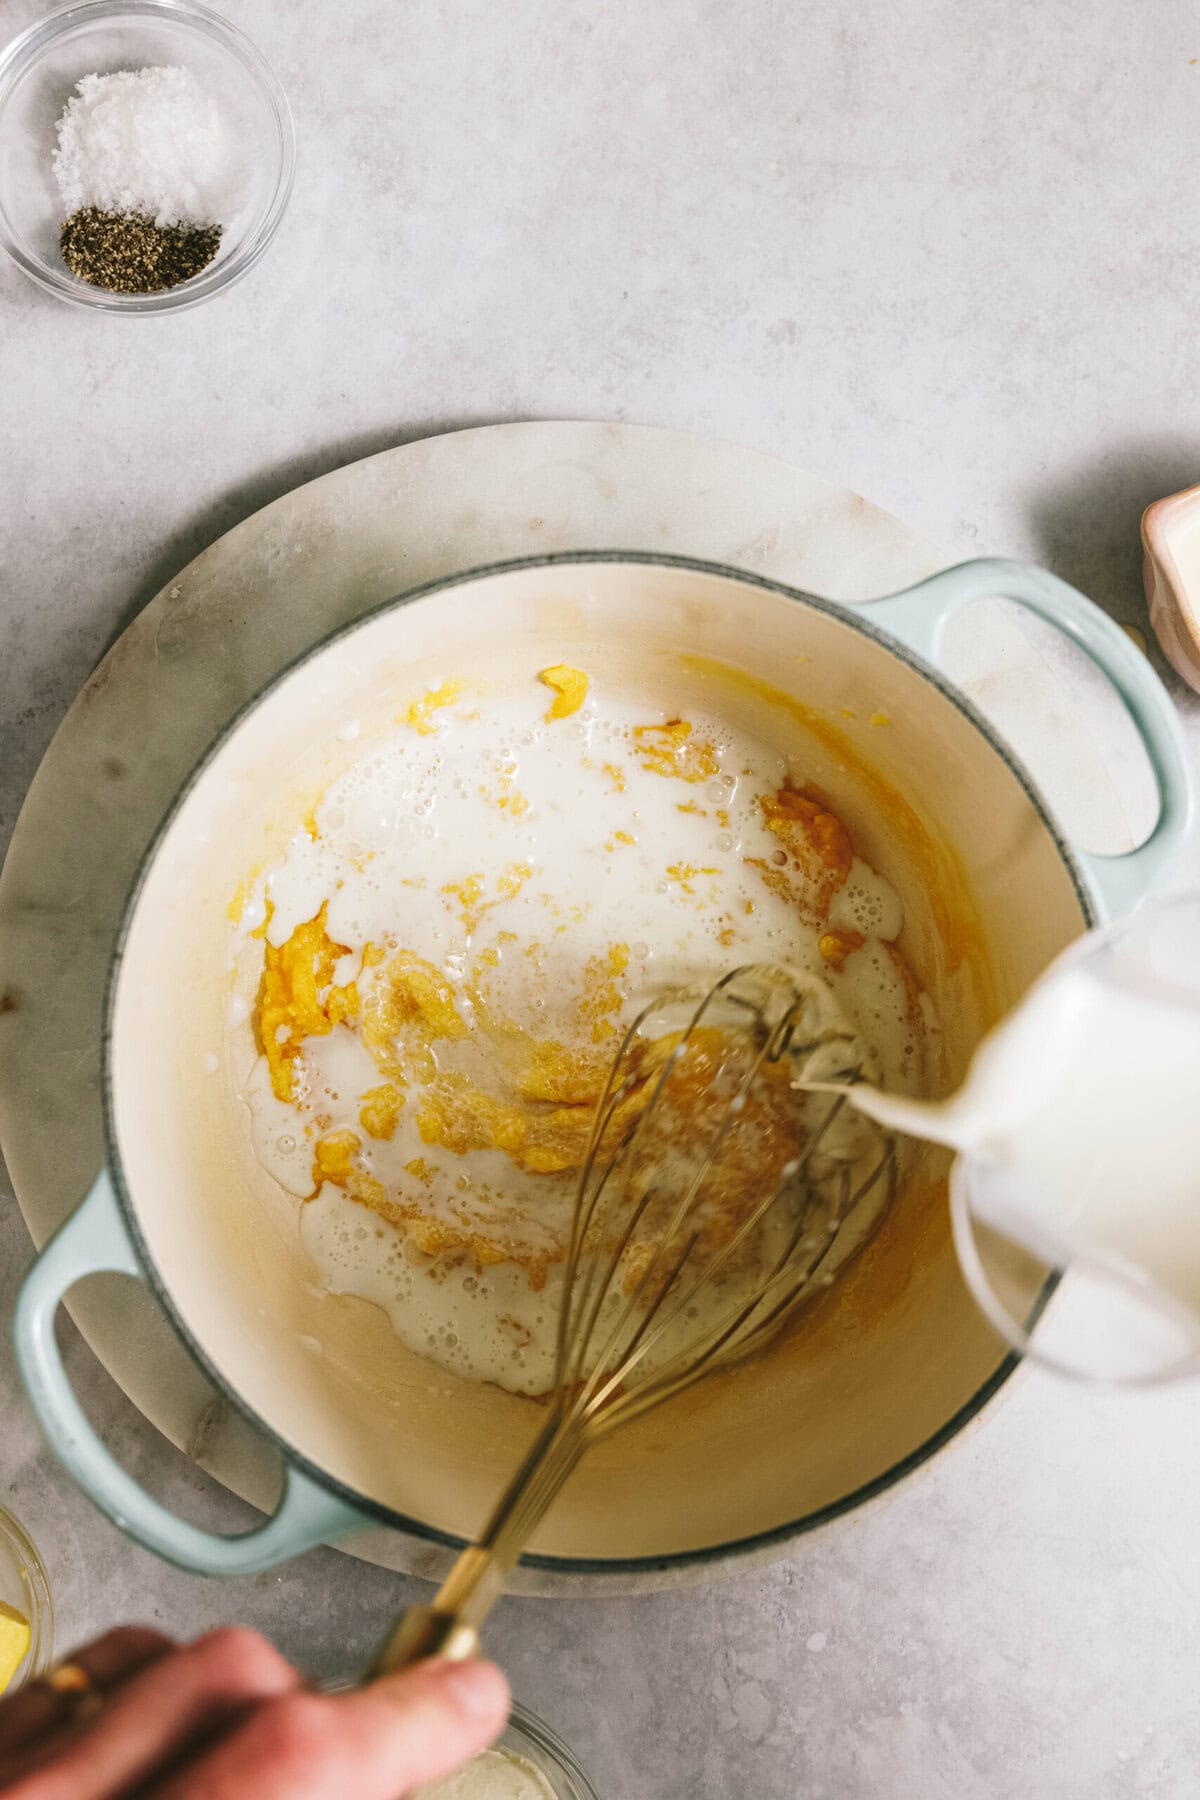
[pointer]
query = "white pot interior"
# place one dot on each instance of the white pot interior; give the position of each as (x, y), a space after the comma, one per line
(883, 1364)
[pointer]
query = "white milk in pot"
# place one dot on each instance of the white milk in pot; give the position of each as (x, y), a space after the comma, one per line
(1078, 1138)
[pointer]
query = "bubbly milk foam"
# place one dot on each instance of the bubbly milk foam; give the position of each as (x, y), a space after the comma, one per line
(502, 892)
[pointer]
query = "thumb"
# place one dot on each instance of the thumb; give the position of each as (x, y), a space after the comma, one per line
(429, 1719)
(374, 1743)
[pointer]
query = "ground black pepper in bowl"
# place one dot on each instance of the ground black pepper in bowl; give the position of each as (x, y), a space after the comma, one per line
(128, 253)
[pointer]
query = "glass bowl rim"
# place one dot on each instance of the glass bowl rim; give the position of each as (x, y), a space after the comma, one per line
(527, 1725)
(17, 1547)
(22, 53)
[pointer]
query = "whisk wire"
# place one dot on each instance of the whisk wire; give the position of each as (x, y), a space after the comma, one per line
(656, 1327)
(587, 1204)
(610, 1371)
(635, 1347)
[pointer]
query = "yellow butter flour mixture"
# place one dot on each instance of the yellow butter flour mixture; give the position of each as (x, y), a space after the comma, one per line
(449, 951)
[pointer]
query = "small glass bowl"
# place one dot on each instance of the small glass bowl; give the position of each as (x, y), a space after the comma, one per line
(533, 1739)
(23, 1584)
(38, 73)
(530, 1738)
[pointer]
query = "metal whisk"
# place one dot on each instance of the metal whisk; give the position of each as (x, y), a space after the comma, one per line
(723, 1168)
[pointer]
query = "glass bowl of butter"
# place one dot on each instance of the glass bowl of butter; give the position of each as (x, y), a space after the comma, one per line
(26, 1611)
(529, 1762)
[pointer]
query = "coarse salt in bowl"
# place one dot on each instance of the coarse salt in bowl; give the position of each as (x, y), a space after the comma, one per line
(149, 141)
(39, 76)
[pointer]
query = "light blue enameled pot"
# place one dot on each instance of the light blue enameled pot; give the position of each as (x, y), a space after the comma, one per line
(361, 1438)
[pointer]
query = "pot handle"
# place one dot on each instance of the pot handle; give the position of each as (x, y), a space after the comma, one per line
(95, 1238)
(918, 616)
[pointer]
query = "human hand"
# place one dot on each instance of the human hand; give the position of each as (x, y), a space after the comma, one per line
(226, 1718)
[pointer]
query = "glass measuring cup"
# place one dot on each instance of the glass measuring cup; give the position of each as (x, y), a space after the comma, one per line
(1077, 1175)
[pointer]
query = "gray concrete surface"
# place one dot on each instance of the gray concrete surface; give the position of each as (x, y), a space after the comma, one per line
(946, 255)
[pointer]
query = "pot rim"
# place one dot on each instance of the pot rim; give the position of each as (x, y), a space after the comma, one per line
(847, 613)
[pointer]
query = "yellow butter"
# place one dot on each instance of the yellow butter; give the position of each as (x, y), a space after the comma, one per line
(570, 690)
(14, 1642)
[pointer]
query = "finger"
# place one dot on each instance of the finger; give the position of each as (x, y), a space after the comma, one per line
(374, 1743)
(154, 1718)
(37, 1709)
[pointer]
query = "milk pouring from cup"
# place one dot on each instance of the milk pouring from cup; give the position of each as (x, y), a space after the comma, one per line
(1077, 1132)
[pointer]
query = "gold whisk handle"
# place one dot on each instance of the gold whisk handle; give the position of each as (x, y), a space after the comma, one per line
(421, 1632)
(449, 1626)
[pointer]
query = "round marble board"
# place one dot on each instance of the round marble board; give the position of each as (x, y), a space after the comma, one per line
(262, 595)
